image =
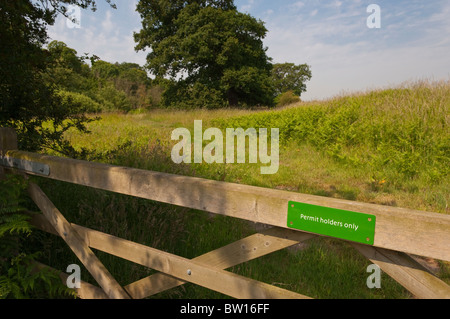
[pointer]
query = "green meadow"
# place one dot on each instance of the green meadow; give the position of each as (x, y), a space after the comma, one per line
(389, 147)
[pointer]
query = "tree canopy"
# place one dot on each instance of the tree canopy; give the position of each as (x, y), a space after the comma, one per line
(290, 77)
(27, 99)
(103, 86)
(204, 53)
(212, 54)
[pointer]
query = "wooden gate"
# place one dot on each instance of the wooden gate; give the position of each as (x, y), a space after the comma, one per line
(399, 233)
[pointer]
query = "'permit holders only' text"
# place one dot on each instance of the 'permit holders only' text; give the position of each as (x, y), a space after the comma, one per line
(343, 224)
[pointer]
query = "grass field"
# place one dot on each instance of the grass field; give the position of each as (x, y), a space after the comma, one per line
(390, 147)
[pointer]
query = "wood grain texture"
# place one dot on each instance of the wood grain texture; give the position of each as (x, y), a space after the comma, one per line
(410, 231)
(188, 270)
(86, 290)
(175, 269)
(241, 251)
(407, 272)
(77, 244)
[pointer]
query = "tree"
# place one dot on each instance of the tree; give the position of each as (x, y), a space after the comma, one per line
(66, 70)
(290, 77)
(27, 99)
(105, 70)
(209, 51)
(30, 104)
(121, 86)
(63, 56)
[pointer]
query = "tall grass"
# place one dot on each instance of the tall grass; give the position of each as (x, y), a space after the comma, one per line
(403, 129)
(388, 147)
(400, 137)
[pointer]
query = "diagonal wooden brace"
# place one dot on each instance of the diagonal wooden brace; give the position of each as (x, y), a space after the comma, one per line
(406, 271)
(201, 273)
(77, 244)
(188, 270)
(86, 290)
(241, 251)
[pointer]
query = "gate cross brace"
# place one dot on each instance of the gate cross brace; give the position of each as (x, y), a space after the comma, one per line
(206, 270)
(77, 244)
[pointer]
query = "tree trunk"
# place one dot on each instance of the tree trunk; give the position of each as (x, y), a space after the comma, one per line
(232, 98)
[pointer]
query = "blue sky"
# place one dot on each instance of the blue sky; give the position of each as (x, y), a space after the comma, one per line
(345, 56)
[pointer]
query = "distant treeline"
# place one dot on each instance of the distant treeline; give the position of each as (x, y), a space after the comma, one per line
(97, 86)
(100, 86)
(204, 54)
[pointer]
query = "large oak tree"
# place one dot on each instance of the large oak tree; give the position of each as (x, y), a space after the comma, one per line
(212, 54)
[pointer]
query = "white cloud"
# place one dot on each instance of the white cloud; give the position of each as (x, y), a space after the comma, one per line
(298, 5)
(345, 55)
(107, 24)
(104, 36)
(247, 7)
(332, 37)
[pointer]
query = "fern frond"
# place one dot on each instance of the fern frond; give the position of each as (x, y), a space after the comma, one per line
(5, 287)
(15, 223)
(8, 209)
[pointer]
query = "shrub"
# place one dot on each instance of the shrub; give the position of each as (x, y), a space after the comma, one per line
(156, 95)
(286, 98)
(19, 277)
(197, 96)
(112, 99)
(85, 103)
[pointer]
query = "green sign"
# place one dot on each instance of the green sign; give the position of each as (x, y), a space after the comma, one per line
(332, 222)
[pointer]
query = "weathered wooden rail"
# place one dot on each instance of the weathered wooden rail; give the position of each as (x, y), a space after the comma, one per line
(398, 232)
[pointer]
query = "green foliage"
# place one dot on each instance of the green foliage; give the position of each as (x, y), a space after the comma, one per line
(182, 96)
(12, 221)
(382, 130)
(41, 89)
(24, 281)
(27, 97)
(83, 102)
(290, 77)
(112, 99)
(286, 98)
(105, 70)
(104, 87)
(65, 57)
(19, 277)
(208, 45)
(68, 80)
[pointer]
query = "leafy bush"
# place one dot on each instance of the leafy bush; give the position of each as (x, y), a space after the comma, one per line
(112, 99)
(155, 95)
(183, 96)
(85, 103)
(288, 76)
(286, 98)
(19, 277)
